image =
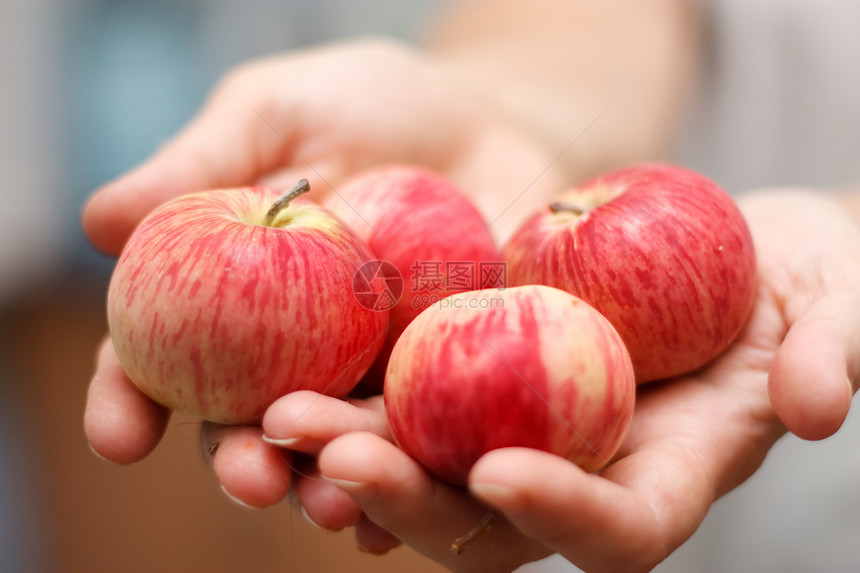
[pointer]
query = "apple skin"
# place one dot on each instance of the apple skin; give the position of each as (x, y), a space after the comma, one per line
(663, 252)
(530, 366)
(213, 313)
(407, 214)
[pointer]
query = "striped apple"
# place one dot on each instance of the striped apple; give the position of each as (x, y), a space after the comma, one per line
(223, 301)
(531, 366)
(428, 229)
(661, 251)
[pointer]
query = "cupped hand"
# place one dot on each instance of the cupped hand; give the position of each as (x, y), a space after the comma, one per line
(692, 439)
(323, 114)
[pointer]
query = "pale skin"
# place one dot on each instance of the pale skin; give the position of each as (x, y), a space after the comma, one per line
(498, 128)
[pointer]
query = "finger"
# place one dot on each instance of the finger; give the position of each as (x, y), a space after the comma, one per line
(397, 495)
(232, 142)
(250, 470)
(810, 379)
(321, 503)
(592, 521)
(306, 421)
(370, 538)
(121, 423)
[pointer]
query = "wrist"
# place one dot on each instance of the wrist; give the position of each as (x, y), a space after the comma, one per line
(573, 130)
(595, 89)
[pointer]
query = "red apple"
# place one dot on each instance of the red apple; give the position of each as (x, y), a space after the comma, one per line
(223, 301)
(430, 232)
(661, 251)
(530, 366)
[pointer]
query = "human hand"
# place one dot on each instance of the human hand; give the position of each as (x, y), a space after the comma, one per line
(323, 114)
(692, 439)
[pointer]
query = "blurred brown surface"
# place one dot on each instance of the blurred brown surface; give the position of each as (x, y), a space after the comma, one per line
(166, 513)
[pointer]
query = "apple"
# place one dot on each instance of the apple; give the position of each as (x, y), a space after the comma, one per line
(430, 233)
(661, 251)
(223, 301)
(530, 366)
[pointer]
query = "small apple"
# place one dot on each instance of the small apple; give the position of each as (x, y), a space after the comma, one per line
(424, 226)
(530, 366)
(661, 251)
(223, 301)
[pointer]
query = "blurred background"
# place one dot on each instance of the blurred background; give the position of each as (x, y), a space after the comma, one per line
(91, 87)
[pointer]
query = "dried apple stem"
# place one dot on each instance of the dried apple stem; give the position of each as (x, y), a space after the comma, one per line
(559, 206)
(284, 201)
(461, 543)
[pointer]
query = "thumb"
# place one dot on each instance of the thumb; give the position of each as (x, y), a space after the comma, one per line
(810, 378)
(230, 143)
(590, 520)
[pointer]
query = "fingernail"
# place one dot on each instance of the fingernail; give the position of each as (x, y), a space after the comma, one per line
(98, 455)
(236, 499)
(371, 551)
(307, 517)
(492, 492)
(281, 442)
(357, 490)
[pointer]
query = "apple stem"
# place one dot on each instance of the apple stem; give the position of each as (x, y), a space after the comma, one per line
(461, 543)
(561, 206)
(284, 201)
